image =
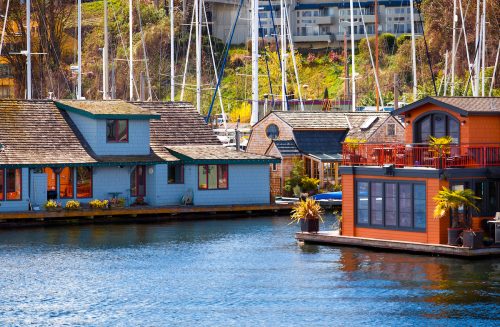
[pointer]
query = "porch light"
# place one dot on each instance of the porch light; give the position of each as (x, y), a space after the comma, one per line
(462, 122)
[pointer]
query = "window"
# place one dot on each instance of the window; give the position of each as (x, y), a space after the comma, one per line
(51, 183)
(487, 190)
(84, 182)
(391, 129)
(212, 177)
(2, 184)
(13, 182)
(272, 131)
(391, 205)
(138, 181)
(117, 130)
(274, 167)
(437, 125)
(66, 183)
(176, 174)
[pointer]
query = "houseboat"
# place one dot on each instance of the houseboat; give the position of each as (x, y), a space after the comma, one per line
(140, 152)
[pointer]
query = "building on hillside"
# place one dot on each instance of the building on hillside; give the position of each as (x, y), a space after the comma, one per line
(388, 189)
(7, 82)
(316, 137)
(315, 24)
(85, 150)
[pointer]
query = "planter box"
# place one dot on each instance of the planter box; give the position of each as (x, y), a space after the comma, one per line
(454, 236)
(309, 225)
(473, 239)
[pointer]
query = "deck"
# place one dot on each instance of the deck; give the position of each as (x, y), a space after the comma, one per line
(140, 212)
(333, 238)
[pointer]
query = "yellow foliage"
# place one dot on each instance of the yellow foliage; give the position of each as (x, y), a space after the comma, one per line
(244, 112)
(308, 209)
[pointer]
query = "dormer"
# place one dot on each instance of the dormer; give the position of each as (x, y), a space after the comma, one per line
(112, 127)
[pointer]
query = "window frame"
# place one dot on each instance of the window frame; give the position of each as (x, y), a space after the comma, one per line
(182, 174)
(136, 194)
(117, 130)
(384, 225)
(72, 177)
(417, 137)
(2, 184)
(218, 177)
(387, 129)
(91, 183)
(6, 198)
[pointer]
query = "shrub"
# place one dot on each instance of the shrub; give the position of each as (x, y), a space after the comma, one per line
(98, 204)
(72, 205)
(309, 184)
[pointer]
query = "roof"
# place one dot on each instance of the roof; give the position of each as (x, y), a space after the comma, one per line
(36, 133)
(106, 109)
(180, 124)
(324, 145)
(216, 154)
(364, 124)
(313, 119)
(287, 148)
(465, 106)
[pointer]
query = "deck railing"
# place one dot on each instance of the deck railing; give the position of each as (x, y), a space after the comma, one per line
(421, 155)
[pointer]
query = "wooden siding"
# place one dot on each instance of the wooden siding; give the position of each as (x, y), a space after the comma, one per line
(380, 135)
(259, 142)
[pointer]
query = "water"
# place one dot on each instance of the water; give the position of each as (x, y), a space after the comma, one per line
(245, 272)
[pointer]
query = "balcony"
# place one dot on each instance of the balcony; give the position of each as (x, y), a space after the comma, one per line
(421, 155)
(313, 38)
(324, 20)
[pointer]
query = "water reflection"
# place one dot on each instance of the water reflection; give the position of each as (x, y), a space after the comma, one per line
(230, 272)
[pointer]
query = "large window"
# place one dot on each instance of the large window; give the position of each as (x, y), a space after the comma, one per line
(66, 183)
(2, 185)
(175, 174)
(391, 205)
(84, 182)
(487, 190)
(13, 184)
(117, 130)
(437, 125)
(138, 181)
(212, 177)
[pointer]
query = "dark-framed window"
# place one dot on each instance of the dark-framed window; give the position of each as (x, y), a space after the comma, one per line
(391, 129)
(274, 166)
(175, 174)
(117, 130)
(487, 190)
(2, 184)
(272, 131)
(13, 184)
(84, 188)
(138, 181)
(391, 204)
(66, 183)
(437, 125)
(213, 177)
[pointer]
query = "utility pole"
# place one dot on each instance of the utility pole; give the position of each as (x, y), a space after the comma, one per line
(413, 51)
(255, 62)
(283, 56)
(79, 87)
(172, 52)
(376, 56)
(198, 54)
(105, 60)
(28, 49)
(454, 47)
(445, 73)
(351, 4)
(131, 50)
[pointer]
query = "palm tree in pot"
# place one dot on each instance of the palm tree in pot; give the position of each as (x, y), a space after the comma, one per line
(309, 214)
(454, 200)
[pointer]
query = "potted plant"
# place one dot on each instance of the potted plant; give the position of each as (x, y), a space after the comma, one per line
(98, 204)
(72, 205)
(440, 148)
(308, 213)
(52, 205)
(448, 200)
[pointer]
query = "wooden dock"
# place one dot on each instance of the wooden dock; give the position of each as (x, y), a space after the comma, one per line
(141, 213)
(333, 238)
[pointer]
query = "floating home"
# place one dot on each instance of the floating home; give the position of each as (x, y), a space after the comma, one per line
(152, 152)
(316, 137)
(388, 189)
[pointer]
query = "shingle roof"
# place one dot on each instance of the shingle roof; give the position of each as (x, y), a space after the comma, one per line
(320, 144)
(313, 120)
(287, 148)
(216, 154)
(463, 105)
(180, 124)
(357, 119)
(36, 133)
(107, 109)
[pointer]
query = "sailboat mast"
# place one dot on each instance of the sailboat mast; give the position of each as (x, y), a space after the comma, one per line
(283, 56)
(413, 51)
(255, 62)
(376, 54)
(483, 49)
(453, 47)
(172, 51)
(131, 52)
(353, 91)
(445, 73)
(105, 60)
(79, 87)
(478, 45)
(28, 49)
(198, 55)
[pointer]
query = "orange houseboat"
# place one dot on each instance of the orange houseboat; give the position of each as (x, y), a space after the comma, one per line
(388, 189)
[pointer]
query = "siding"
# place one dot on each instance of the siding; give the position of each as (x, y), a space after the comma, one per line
(259, 142)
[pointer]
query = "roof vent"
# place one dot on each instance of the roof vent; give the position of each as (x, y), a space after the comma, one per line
(369, 122)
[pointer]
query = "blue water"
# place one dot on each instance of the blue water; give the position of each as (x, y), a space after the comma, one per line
(244, 272)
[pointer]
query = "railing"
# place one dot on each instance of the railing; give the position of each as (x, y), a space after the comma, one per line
(421, 155)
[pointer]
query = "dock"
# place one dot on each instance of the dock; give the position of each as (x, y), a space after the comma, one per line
(333, 238)
(140, 213)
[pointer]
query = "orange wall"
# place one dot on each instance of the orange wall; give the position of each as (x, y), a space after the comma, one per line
(436, 231)
(473, 129)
